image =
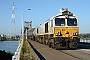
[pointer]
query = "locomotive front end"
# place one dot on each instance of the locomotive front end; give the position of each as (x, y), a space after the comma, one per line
(66, 30)
(66, 36)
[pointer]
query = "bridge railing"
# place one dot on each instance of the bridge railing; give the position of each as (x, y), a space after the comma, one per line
(17, 53)
(86, 41)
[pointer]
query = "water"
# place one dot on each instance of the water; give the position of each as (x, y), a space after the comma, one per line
(9, 45)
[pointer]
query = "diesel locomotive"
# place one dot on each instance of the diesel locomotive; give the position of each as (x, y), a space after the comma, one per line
(60, 31)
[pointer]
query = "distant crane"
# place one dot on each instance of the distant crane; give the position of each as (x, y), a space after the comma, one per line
(13, 27)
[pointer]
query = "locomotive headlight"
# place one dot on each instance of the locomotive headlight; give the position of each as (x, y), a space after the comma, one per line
(75, 33)
(58, 34)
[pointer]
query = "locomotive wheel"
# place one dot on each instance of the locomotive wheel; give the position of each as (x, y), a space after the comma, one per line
(53, 45)
(44, 42)
(73, 44)
(57, 46)
(67, 44)
(49, 44)
(37, 41)
(41, 41)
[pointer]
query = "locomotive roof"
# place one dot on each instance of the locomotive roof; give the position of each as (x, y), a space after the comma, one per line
(63, 12)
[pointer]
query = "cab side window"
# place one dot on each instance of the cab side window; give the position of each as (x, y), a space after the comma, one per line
(51, 23)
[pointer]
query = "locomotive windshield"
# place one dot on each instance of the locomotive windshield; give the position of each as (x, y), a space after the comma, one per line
(59, 22)
(72, 22)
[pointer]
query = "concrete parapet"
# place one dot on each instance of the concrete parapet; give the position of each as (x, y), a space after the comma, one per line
(86, 41)
(17, 53)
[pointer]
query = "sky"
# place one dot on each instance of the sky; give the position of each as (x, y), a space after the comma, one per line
(42, 10)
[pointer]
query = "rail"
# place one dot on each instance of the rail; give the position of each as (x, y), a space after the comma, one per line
(17, 53)
(33, 52)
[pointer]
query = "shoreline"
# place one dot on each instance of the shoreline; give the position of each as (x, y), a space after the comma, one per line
(10, 40)
(5, 55)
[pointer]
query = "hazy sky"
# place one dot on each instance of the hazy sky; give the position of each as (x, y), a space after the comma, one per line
(41, 10)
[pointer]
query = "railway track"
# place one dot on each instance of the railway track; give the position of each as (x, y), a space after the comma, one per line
(46, 53)
(82, 52)
(76, 54)
(38, 54)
